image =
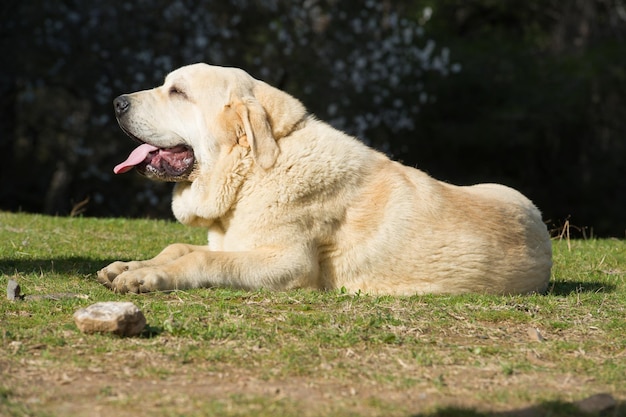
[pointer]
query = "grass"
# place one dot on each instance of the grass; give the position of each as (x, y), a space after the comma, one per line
(301, 353)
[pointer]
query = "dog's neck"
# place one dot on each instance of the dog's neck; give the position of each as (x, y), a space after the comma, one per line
(212, 195)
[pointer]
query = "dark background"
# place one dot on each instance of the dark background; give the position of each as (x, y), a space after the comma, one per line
(529, 93)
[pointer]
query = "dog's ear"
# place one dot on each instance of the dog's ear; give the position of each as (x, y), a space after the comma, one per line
(268, 116)
(258, 132)
(283, 110)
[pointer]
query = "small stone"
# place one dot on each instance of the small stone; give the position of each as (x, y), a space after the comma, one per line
(13, 290)
(121, 318)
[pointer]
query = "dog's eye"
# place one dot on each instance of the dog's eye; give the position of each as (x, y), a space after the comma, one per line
(175, 91)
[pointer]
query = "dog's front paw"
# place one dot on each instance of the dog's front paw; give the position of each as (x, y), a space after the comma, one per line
(107, 274)
(140, 281)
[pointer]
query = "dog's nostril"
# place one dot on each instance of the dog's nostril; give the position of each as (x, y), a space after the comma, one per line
(121, 105)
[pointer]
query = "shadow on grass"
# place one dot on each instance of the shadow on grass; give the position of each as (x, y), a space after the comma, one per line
(150, 332)
(600, 405)
(85, 266)
(565, 288)
(72, 265)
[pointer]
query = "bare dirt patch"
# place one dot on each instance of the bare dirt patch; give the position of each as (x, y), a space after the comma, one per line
(138, 382)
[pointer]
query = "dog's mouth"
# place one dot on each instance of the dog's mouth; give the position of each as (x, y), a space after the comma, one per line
(167, 164)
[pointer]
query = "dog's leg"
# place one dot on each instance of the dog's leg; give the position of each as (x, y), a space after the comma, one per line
(107, 274)
(268, 268)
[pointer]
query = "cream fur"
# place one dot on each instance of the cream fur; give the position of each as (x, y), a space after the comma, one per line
(291, 202)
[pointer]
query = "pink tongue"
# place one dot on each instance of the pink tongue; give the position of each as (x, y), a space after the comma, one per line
(136, 157)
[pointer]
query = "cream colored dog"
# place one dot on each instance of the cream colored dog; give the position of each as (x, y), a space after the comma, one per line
(290, 202)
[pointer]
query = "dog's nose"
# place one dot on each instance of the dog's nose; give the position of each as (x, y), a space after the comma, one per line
(121, 105)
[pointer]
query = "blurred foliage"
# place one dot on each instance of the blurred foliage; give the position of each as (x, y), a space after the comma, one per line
(529, 93)
(540, 104)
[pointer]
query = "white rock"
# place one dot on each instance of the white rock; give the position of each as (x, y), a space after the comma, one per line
(121, 318)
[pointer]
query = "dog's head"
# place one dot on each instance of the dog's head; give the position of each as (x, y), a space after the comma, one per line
(199, 112)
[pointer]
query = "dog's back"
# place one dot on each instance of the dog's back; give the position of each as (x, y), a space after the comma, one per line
(403, 232)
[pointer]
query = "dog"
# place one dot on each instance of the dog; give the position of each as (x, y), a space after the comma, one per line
(291, 202)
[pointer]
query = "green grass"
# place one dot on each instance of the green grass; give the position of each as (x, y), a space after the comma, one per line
(300, 353)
